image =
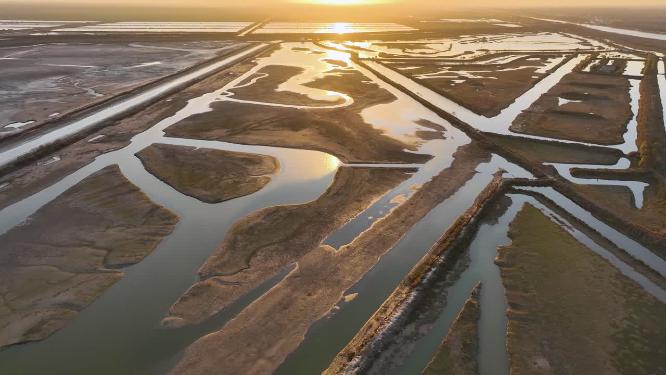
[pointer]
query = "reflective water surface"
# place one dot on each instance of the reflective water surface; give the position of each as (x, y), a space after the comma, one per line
(119, 332)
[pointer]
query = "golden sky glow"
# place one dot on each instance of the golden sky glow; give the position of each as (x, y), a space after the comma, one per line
(343, 2)
(427, 3)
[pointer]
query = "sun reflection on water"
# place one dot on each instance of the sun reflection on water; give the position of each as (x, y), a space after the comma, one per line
(344, 57)
(332, 163)
(338, 28)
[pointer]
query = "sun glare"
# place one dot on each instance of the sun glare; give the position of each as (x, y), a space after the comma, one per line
(344, 2)
(341, 28)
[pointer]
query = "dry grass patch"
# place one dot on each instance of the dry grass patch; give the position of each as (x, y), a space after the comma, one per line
(570, 311)
(211, 176)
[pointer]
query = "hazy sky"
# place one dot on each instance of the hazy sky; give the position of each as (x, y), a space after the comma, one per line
(284, 10)
(420, 3)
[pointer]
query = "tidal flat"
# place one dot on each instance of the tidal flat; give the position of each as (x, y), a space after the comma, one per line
(47, 82)
(587, 108)
(486, 85)
(72, 250)
(328, 198)
(209, 175)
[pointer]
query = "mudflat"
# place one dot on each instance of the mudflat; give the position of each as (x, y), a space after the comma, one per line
(582, 107)
(266, 87)
(485, 88)
(339, 131)
(35, 176)
(211, 176)
(71, 250)
(43, 82)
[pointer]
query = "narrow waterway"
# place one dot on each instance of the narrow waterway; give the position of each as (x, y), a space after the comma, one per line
(613, 30)
(329, 335)
(437, 302)
(13, 152)
(501, 123)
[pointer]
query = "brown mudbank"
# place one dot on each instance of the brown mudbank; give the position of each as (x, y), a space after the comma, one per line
(35, 177)
(570, 311)
(494, 87)
(282, 316)
(557, 152)
(620, 201)
(338, 131)
(211, 176)
(261, 244)
(265, 88)
(64, 256)
(608, 66)
(457, 355)
(50, 80)
(599, 115)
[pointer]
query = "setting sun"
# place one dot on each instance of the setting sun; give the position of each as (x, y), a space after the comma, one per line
(344, 2)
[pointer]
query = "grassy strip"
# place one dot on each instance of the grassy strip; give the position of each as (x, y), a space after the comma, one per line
(458, 353)
(651, 132)
(570, 311)
(597, 237)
